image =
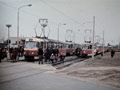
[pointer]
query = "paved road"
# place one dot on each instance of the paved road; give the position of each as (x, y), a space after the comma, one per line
(31, 76)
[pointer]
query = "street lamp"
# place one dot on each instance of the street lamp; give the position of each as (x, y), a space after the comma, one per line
(58, 30)
(103, 42)
(8, 25)
(29, 5)
(93, 36)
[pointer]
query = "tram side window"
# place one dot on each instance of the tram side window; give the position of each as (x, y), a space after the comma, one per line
(90, 47)
(41, 44)
(64, 46)
(67, 46)
(70, 46)
(49, 45)
(37, 44)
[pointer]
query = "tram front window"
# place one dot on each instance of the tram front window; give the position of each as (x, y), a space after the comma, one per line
(31, 45)
(85, 47)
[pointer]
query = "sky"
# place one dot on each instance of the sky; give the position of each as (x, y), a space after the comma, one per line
(76, 14)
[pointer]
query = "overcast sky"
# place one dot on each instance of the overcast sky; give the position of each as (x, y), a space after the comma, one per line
(77, 14)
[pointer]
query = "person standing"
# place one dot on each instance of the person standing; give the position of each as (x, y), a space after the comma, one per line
(40, 53)
(56, 54)
(11, 53)
(15, 54)
(46, 54)
(52, 55)
(22, 51)
(112, 53)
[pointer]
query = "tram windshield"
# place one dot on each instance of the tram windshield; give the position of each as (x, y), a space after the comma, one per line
(31, 45)
(87, 47)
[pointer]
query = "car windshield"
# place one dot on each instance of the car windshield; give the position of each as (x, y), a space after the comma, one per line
(31, 45)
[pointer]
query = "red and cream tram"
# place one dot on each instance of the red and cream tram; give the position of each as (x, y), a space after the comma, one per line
(99, 49)
(87, 49)
(32, 45)
(71, 48)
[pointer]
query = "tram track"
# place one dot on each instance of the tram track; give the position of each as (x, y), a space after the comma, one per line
(68, 62)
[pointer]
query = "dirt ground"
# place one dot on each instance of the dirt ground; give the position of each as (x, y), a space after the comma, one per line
(104, 70)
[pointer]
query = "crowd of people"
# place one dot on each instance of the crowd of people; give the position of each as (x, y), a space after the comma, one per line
(50, 55)
(2, 53)
(14, 53)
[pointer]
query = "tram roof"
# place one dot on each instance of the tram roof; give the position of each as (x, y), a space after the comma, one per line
(36, 39)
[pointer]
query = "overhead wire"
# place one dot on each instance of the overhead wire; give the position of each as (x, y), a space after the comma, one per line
(43, 1)
(61, 12)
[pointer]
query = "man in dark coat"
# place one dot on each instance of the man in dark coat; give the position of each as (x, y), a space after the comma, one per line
(112, 53)
(15, 54)
(11, 53)
(40, 53)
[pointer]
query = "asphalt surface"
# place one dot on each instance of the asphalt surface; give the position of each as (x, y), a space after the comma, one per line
(31, 76)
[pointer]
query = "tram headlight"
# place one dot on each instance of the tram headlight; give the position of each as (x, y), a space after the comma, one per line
(32, 53)
(84, 51)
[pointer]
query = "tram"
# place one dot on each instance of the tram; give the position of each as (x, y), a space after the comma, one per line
(99, 49)
(87, 50)
(31, 47)
(33, 44)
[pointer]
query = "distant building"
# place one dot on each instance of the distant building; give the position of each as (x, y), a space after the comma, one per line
(1, 41)
(14, 41)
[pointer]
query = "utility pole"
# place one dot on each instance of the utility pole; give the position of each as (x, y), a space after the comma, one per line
(103, 42)
(119, 44)
(93, 36)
